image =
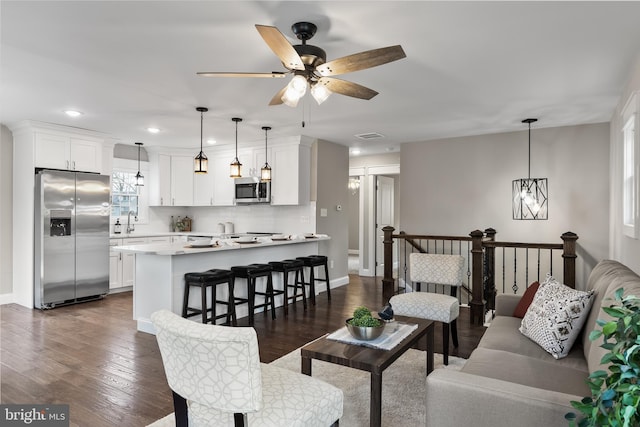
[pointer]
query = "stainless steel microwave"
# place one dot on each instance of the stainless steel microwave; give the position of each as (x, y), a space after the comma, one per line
(252, 190)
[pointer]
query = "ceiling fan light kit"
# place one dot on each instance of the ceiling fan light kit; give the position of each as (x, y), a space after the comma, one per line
(530, 195)
(201, 163)
(310, 68)
(236, 166)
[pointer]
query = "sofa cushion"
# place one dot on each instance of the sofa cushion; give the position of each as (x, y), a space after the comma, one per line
(555, 317)
(504, 335)
(526, 300)
(530, 371)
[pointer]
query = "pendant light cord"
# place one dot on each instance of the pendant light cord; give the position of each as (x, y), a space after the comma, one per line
(201, 124)
(529, 150)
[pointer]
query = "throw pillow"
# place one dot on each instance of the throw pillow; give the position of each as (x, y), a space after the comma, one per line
(526, 300)
(555, 317)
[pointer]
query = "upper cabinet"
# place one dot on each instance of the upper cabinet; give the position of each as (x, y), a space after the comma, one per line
(67, 152)
(290, 174)
(174, 181)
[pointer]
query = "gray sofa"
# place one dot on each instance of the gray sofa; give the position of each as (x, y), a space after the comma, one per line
(509, 380)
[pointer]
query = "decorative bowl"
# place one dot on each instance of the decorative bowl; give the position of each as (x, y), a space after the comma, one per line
(365, 333)
(246, 239)
(200, 242)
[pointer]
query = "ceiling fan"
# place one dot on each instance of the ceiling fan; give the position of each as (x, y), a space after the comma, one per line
(310, 68)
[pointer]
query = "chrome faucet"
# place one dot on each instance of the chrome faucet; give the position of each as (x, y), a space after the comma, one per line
(131, 227)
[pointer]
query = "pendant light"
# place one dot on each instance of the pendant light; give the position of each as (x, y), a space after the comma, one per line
(139, 176)
(201, 163)
(265, 172)
(530, 194)
(236, 165)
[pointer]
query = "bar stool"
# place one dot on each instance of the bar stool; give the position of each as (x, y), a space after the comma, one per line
(290, 266)
(252, 272)
(209, 279)
(313, 261)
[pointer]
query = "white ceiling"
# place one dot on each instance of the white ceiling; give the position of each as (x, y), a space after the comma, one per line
(471, 67)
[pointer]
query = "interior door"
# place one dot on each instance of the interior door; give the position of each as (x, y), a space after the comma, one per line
(384, 216)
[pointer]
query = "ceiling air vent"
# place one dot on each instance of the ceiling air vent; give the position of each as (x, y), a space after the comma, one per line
(370, 135)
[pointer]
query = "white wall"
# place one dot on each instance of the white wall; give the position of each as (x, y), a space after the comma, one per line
(6, 214)
(622, 248)
(453, 186)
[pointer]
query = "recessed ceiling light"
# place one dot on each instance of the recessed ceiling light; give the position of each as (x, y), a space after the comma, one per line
(72, 113)
(211, 141)
(153, 130)
(355, 151)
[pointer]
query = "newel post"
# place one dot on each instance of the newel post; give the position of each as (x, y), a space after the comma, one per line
(477, 301)
(388, 287)
(489, 279)
(569, 257)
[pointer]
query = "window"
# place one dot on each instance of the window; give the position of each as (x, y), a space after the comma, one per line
(630, 155)
(124, 194)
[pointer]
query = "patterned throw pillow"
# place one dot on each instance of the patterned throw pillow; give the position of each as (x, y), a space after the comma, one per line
(555, 317)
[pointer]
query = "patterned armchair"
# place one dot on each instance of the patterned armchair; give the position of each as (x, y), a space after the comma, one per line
(437, 269)
(217, 380)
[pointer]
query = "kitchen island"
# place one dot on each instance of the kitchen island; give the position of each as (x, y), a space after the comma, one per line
(160, 270)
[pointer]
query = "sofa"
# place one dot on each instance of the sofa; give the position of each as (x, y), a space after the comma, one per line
(509, 380)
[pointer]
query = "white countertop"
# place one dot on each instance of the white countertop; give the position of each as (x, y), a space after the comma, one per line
(157, 234)
(182, 248)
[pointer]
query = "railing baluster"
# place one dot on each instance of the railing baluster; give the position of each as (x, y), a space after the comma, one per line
(538, 265)
(526, 272)
(504, 284)
(515, 269)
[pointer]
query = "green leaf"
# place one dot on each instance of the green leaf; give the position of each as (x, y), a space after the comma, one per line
(609, 328)
(594, 335)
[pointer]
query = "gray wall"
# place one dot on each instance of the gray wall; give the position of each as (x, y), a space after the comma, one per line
(332, 176)
(6, 211)
(623, 248)
(353, 209)
(456, 185)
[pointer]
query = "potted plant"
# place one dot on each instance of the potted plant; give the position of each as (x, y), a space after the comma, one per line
(363, 325)
(615, 396)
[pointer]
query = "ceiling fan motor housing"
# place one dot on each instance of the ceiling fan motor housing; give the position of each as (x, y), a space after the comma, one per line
(311, 55)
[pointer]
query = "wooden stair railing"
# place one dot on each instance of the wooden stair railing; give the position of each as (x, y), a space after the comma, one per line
(483, 246)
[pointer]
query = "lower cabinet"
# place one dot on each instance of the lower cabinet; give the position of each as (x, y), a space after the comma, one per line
(122, 266)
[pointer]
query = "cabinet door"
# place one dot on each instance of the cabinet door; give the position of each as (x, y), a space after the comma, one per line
(181, 181)
(223, 188)
(203, 187)
(52, 151)
(164, 180)
(128, 269)
(160, 239)
(115, 270)
(84, 155)
(284, 176)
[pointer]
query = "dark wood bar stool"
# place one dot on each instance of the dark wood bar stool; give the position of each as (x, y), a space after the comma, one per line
(286, 267)
(210, 279)
(251, 273)
(313, 261)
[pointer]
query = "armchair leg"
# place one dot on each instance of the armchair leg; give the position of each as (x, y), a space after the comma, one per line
(336, 424)
(180, 408)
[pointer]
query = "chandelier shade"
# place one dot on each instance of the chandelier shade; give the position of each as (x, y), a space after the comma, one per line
(530, 196)
(265, 171)
(235, 170)
(139, 176)
(201, 163)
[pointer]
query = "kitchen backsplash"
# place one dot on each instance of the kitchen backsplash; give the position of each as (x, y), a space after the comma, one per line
(261, 218)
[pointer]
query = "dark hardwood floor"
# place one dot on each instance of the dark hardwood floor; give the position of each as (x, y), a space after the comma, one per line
(91, 357)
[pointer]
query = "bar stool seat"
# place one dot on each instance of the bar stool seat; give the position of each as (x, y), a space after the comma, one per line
(290, 266)
(204, 280)
(313, 261)
(252, 272)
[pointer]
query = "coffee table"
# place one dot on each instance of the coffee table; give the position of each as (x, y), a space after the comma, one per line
(369, 359)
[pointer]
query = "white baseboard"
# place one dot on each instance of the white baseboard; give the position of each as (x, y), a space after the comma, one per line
(7, 299)
(340, 281)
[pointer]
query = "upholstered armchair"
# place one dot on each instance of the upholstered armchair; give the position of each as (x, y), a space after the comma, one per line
(217, 379)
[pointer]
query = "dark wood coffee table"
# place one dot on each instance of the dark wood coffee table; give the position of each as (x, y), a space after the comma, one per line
(369, 359)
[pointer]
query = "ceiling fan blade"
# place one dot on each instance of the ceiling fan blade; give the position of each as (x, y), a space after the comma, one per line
(344, 87)
(361, 61)
(277, 98)
(273, 74)
(281, 47)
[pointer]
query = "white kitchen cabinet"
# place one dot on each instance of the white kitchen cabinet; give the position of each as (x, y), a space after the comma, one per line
(159, 239)
(129, 260)
(59, 151)
(290, 175)
(174, 181)
(223, 188)
(203, 186)
(115, 266)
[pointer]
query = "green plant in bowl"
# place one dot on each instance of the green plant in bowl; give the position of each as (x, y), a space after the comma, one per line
(363, 325)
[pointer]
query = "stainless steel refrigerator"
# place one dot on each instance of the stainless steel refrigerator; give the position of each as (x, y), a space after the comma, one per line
(71, 237)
